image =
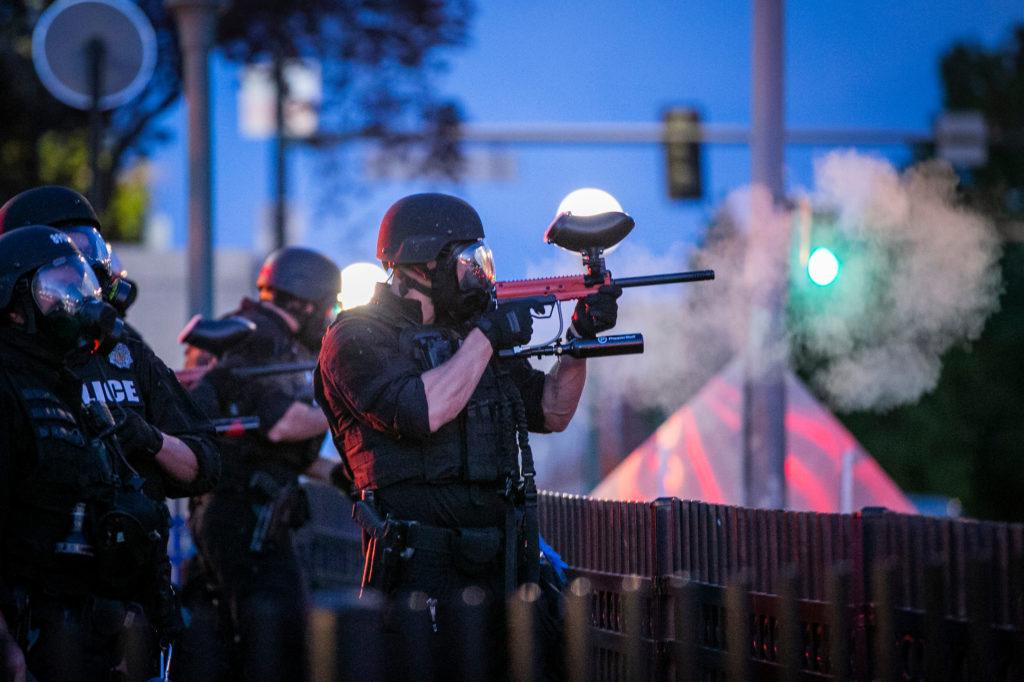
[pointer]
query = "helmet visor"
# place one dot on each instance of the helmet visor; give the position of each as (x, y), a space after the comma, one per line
(91, 243)
(65, 285)
(474, 267)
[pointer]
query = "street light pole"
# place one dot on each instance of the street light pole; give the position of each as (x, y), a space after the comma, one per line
(764, 390)
(196, 21)
(280, 155)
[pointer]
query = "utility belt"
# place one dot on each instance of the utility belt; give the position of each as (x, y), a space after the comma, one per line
(392, 547)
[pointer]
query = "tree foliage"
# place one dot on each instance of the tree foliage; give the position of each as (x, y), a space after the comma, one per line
(377, 58)
(966, 439)
(44, 141)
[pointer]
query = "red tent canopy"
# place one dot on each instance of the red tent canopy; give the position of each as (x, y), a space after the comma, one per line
(696, 454)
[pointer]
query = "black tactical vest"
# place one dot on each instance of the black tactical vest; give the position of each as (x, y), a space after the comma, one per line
(478, 445)
(70, 468)
(76, 527)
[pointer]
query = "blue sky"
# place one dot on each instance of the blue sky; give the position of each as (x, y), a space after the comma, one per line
(849, 63)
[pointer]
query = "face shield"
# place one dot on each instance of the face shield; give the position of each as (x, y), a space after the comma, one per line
(91, 243)
(474, 267)
(65, 286)
(463, 282)
(67, 295)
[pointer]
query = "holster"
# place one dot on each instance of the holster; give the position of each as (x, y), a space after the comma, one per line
(389, 545)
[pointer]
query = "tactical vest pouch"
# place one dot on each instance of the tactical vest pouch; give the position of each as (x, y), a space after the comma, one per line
(484, 434)
(475, 550)
(128, 534)
(442, 453)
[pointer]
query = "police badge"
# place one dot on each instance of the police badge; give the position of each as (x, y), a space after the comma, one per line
(120, 356)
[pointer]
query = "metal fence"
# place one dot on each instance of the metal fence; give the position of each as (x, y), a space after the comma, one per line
(687, 590)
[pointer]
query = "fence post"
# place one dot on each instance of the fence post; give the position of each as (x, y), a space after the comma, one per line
(578, 649)
(522, 632)
(345, 641)
(685, 612)
(870, 548)
(839, 596)
(667, 542)
(637, 664)
(936, 642)
(737, 601)
(884, 660)
(791, 648)
(979, 616)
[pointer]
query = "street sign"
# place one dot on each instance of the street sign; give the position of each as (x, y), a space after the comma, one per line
(304, 88)
(94, 53)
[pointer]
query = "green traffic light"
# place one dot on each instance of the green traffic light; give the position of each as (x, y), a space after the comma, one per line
(823, 267)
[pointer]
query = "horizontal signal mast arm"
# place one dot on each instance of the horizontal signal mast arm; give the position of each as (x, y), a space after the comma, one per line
(571, 287)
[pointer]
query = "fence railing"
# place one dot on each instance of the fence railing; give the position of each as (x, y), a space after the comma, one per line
(682, 590)
(725, 592)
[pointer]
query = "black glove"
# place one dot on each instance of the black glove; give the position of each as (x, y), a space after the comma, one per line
(508, 326)
(596, 313)
(139, 439)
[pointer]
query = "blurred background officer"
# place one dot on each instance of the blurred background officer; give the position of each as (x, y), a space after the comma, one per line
(82, 548)
(244, 556)
(430, 424)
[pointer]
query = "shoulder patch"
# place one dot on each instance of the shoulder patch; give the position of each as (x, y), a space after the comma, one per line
(121, 356)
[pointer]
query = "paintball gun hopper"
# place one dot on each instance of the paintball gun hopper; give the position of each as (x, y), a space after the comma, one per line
(216, 336)
(581, 233)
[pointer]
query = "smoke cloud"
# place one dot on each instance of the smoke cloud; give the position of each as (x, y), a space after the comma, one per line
(919, 274)
(940, 285)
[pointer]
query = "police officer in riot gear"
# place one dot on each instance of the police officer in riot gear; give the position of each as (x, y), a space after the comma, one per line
(244, 555)
(159, 424)
(164, 435)
(431, 425)
(83, 589)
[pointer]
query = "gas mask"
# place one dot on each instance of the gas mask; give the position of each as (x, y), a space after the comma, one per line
(462, 284)
(313, 326)
(118, 290)
(69, 311)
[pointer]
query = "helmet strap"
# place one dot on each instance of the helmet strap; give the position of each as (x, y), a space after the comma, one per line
(405, 283)
(23, 296)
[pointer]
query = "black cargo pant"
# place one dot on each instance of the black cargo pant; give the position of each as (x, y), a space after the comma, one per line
(247, 608)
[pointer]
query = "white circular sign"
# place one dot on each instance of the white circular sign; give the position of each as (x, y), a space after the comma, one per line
(61, 43)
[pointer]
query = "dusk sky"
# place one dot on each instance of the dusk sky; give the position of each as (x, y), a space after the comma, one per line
(869, 64)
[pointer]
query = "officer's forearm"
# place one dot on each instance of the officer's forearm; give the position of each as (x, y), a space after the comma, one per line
(563, 387)
(450, 385)
(177, 460)
(320, 469)
(300, 422)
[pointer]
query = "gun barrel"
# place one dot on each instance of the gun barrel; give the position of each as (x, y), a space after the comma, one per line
(232, 427)
(668, 278)
(270, 370)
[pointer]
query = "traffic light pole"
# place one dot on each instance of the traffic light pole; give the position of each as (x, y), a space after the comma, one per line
(765, 361)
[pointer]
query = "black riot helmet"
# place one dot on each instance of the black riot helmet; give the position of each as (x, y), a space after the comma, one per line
(417, 227)
(301, 273)
(293, 278)
(48, 205)
(70, 212)
(44, 274)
